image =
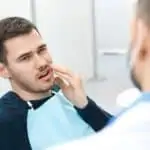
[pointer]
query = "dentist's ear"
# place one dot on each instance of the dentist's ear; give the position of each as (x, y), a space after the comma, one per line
(140, 49)
(4, 71)
(144, 42)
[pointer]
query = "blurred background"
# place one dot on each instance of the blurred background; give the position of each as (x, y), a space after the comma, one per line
(91, 37)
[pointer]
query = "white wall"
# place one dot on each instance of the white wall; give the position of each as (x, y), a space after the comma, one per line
(112, 24)
(13, 8)
(67, 27)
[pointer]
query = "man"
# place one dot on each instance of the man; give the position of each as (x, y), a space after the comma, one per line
(131, 130)
(32, 115)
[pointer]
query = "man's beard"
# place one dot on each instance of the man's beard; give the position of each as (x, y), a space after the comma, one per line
(133, 77)
(134, 80)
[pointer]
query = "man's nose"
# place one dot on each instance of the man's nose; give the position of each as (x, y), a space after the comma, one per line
(40, 62)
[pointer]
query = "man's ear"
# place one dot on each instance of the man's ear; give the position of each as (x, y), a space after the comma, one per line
(4, 71)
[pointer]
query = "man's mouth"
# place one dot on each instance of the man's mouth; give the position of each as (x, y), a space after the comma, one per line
(46, 74)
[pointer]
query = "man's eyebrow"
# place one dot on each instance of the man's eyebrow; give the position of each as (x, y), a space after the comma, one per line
(24, 55)
(30, 52)
(42, 46)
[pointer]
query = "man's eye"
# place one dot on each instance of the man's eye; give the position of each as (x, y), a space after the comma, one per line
(41, 50)
(25, 58)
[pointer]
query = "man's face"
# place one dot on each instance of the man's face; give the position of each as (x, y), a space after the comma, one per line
(29, 63)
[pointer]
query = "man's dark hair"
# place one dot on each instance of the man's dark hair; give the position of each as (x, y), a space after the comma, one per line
(143, 11)
(12, 27)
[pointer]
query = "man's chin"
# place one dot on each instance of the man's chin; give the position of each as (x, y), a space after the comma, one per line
(46, 86)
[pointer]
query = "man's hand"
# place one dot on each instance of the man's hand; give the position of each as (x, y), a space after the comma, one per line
(71, 86)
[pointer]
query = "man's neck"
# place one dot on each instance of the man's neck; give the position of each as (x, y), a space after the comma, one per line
(27, 96)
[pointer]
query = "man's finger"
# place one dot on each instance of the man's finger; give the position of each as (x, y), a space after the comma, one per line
(61, 69)
(60, 83)
(66, 78)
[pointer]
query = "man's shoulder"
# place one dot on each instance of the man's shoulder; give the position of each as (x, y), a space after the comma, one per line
(8, 108)
(5, 115)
